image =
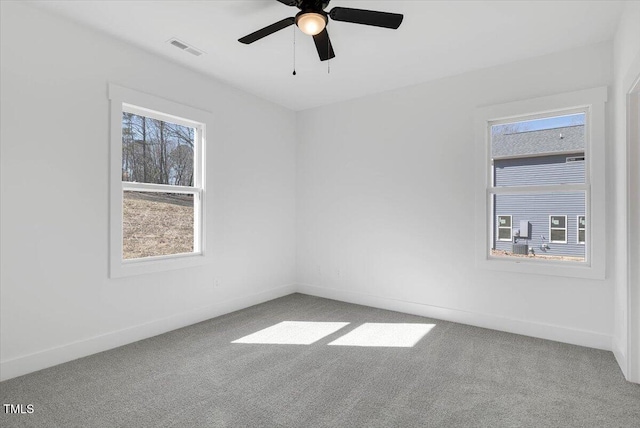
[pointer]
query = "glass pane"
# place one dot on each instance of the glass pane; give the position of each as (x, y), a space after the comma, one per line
(156, 224)
(558, 235)
(581, 222)
(504, 221)
(504, 233)
(158, 152)
(530, 219)
(558, 221)
(581, 236)
(539, 152)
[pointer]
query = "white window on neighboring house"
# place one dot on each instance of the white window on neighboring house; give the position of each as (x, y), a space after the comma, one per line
(558, 229)
(582, 227)
(504, 228)
(157, 183)
(536, 158)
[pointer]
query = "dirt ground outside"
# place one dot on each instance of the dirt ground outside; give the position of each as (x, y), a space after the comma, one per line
(502, 253)
(156, 224)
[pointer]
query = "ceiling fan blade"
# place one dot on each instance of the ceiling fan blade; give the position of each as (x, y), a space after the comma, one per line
(366, 17)
(264, 32)
(288, 2)
(323, 45)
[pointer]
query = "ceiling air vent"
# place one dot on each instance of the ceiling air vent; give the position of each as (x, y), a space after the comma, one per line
(185, 47)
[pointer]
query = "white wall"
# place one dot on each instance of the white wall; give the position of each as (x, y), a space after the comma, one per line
(57, 302)
(384, 199)
(386, 205)
(626, 69)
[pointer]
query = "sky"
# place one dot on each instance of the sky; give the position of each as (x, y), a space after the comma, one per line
(546, 123)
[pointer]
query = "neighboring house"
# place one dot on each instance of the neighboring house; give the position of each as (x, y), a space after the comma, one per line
(555, 222)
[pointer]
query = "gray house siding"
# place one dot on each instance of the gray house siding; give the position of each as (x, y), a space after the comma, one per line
(539, 170)
(536, 208)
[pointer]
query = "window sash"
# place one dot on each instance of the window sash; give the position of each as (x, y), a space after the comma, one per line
(493, 190)
(197, 216)
(582, 229)
(197, 212)
(159, 188)
(198, 136)
(195, 190)
(164, 117)
(509, 228)
(557, 228)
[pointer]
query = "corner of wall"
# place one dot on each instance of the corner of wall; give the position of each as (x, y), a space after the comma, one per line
(71, 351)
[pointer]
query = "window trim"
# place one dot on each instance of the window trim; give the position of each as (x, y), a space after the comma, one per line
(125, 99)
(565, 228)
(592, 102)
(581, 228)
(504, 227)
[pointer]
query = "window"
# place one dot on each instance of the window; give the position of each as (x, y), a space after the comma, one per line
(157, 183)
(575, 159)
(537, 158)
(504, 228)
(161, 184)
(581, 229)
(558, 229)
(530, 152)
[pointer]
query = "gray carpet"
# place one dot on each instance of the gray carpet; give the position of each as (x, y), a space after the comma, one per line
(456, 375)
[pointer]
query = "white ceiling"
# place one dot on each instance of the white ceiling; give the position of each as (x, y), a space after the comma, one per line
(436, 39)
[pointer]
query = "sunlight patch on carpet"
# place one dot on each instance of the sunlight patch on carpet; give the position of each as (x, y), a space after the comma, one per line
(384, 335)
(293, 333)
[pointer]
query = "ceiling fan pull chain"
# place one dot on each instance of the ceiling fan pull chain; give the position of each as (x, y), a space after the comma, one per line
(294, 50)
(328, 53)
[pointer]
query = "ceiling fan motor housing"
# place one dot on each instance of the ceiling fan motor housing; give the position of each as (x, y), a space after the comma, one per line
(312, 5)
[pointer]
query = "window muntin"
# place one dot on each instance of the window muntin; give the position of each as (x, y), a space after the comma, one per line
(582, 229)
(504, 228)
(558, 229)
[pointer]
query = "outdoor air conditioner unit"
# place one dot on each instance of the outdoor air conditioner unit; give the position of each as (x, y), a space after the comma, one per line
(520, 249)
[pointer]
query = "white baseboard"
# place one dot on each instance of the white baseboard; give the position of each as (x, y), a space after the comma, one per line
(621, 358)
(527, 328)
(82, 348)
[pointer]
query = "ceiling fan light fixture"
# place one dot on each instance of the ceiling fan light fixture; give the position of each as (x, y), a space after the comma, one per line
(311, 23)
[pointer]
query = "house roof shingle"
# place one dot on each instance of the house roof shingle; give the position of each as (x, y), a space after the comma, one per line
(532, 143)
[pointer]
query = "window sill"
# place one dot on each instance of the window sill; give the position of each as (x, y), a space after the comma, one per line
(542, 267)
(148, 265)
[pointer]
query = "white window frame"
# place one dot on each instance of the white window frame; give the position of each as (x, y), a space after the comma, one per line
(565, 228)
(591, 102)
(581, 228)
(132, 101)
(504, 227)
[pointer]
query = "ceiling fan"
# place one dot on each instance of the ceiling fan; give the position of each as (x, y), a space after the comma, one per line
(312, 20)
